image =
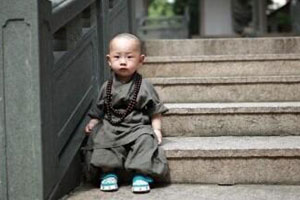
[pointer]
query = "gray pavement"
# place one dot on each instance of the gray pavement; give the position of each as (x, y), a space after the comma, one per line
(192, 192)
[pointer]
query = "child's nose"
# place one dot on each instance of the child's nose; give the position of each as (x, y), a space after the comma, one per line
(123, 60)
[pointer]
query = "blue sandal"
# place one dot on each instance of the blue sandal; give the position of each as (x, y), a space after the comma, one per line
(109, 182)
(140, 183)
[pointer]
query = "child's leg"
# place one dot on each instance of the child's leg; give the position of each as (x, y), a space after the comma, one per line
(106, 170)
(108, 160)
(146, 157)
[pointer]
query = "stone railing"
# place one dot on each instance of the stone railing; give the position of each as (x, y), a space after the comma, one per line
(52, 64)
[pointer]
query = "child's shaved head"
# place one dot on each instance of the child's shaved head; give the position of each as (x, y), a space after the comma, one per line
(130, 37)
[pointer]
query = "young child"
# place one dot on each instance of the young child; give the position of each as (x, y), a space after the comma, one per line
(128, 112)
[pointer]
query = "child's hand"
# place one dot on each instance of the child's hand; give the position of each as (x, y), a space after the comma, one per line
(156, 125)
(89, 127)
(158, 135)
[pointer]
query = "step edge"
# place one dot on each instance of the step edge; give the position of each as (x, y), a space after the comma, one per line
(223, 39)
(232, 108)
(271, 146)
(223, 80)
(217, 58)
(250, 153)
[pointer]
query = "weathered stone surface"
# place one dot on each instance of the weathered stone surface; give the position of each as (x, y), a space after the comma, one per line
(22, 108)
(3, 173)
(59, 15)
(225, 108)
(225, 119)
(229, 70)
(225, 65)
(232, 160)
(234, 171)
(232, 146)
(73, 32)
(227, 46)
(228, 89)
(192, 192)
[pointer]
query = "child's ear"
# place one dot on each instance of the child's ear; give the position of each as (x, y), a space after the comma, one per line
(108, 59)
(142, 58)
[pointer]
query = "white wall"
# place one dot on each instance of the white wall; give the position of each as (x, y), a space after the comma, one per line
(216, 18)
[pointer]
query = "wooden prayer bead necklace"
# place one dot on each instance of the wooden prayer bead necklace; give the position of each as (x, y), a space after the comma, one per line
(119, 114)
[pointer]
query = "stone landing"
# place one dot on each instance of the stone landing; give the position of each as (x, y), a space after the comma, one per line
(192, 192)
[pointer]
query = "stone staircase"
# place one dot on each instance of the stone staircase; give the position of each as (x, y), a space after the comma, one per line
(234, 108)
(234, 116)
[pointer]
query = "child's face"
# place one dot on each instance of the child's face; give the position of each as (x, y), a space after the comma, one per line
(124, 57)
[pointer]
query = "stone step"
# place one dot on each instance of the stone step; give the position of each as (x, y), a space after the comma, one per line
(238, 119)
(191, 192)
(223, 46)
(234, 160)
(228, 89)
(222, 65)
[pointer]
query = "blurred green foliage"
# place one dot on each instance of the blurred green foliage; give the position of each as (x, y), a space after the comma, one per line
(163, 8)
(158, 8)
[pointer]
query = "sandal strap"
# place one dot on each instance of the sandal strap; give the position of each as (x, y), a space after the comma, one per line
(109, 175)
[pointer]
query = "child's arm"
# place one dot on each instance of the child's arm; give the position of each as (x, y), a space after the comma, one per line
(156, 125)
(89, 127)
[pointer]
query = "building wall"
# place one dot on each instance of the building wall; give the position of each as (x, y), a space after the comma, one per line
(216, 18)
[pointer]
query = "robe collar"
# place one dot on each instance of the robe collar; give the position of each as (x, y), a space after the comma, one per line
(117, 82)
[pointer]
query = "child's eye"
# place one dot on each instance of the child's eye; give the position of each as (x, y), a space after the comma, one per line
(116, 57)
(129, 56)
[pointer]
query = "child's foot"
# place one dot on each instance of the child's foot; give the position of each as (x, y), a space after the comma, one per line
(140, 183)
(109, 182)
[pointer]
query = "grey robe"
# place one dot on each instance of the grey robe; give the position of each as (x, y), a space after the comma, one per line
(138, 122)
(110, 140)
